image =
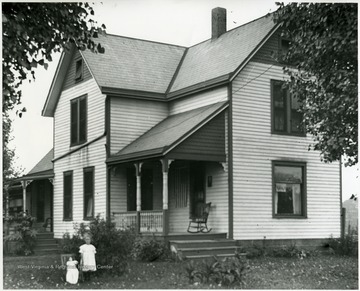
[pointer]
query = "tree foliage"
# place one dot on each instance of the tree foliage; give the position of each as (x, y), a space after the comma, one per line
(323, 73)
(32, 32)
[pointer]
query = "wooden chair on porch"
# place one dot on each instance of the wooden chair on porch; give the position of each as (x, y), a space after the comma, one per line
(198, 222)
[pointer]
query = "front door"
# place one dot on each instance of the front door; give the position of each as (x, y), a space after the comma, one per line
(197, 186)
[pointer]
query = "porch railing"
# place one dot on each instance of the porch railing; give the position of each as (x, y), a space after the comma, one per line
(150, 220)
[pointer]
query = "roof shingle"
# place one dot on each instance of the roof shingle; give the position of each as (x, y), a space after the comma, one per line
(134, 64)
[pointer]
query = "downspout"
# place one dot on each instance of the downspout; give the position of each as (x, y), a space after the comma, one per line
(107, 148)
(230, 166)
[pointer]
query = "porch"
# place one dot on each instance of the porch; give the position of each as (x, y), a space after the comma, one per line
(157, 181)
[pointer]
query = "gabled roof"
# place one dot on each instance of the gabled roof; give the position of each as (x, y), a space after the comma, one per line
(168, 133)
(218, 57)
(134, 64)
(157, 70)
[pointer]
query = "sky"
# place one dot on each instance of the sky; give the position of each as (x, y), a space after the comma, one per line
(180, 22)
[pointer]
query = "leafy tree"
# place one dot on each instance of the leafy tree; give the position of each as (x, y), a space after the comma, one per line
(32, 32)
(10, 171)
(322, 65)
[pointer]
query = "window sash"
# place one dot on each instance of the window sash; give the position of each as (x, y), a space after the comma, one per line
(68, 195)
(289, 189)
(286, 119)
(89, 192)
(78, 123)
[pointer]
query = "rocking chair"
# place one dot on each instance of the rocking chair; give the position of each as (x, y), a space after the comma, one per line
(198, 222)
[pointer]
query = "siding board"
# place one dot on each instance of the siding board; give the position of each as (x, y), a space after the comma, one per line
(198, 100)
(130, 118)
(92, 155)
(254, 149)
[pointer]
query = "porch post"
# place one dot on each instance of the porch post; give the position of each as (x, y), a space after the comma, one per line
(24, 184)
(165, 171)
(138, 195)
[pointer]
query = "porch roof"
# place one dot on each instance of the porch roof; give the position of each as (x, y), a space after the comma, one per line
(43, 169)
(168, 134)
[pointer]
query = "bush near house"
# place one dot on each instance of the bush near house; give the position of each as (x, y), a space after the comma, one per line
(113, 246)
(150, 249)
(23, 233)
(344, 246)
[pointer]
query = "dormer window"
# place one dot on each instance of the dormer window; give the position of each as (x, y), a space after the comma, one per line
(78, 120)
(79, 70)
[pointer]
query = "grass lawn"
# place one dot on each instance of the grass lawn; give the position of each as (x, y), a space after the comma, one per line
(321, 272)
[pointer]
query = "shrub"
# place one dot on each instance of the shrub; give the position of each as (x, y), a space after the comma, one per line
(24, 235)
(113, 246)
(344, 246)
(149, 250)
(227, 272)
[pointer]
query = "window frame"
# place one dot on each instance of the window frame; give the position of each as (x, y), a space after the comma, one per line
(301, 165)
(68, 173)
(281, 51)
(288, 113)
(79, 70)
(77, 100)
(86, 170)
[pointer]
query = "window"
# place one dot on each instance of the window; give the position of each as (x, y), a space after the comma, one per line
(88, 193)
(78, 120)
(284, 47)
(289, 189)
(286, 118)
(79, 70)
(68, 193)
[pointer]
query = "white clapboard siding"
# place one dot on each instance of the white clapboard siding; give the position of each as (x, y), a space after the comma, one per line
(130, 118)
(93, 155)
(95, 113)
(218, 195)
(254, 148)
(198, 100)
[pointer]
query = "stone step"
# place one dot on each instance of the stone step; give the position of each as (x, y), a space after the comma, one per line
(220, 256)
(45, 246)
(47, 251)
(203, 243)
(204, 248)
(208, 251)
(44, 241)
(45, 235)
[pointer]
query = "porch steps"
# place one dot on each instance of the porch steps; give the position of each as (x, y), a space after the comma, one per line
(200, 249)
(45, 244)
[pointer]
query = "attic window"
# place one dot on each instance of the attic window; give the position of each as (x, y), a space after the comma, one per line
(284, 47)
(79, 70)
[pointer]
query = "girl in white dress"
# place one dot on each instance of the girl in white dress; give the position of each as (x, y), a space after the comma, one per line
(87, 263)
(72, 273)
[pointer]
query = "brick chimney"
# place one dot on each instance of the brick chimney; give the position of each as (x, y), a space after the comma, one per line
(218, 21)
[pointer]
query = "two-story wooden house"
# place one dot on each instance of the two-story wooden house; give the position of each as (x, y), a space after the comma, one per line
(147, 130)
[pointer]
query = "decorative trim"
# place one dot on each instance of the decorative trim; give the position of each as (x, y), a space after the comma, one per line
(51, 180)
(223, 165)
(25, 183)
